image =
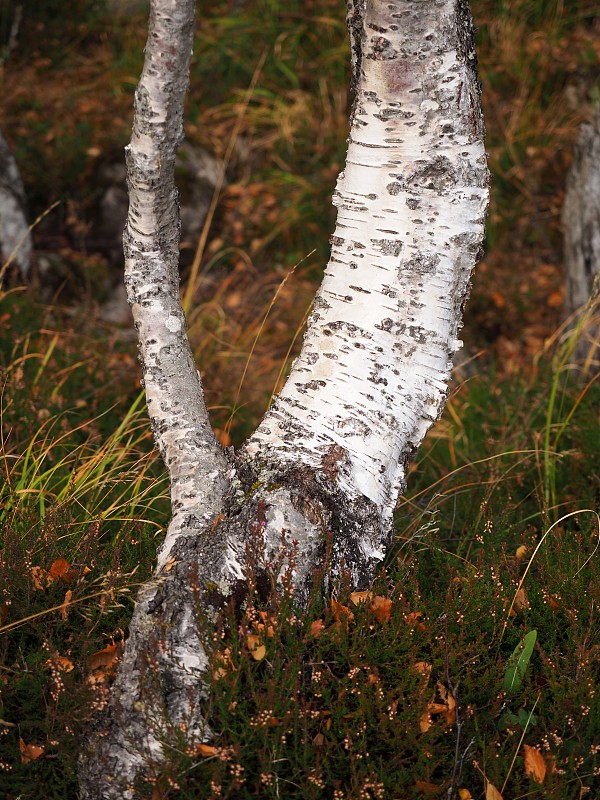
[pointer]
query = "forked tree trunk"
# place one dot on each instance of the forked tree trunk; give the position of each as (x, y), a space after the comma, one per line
(329, 459)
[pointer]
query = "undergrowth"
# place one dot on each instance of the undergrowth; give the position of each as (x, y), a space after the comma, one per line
(399, 694)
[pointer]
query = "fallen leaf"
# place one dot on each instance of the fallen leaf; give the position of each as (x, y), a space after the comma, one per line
(414, 620)
(465, 794)
(360, 597)
(62, 569)
(491, 793)
(521, 601)
(423, 668)
(40, 578)
(382, 608)
(64, 609)
(428, 788)
(104, 658)
(425, 721)
(341, 613)
(316, 628)
(60, 663)
(257, 650)
(29, 752)
(521, 552)
(552, 603)
(319, 740)
(535, 766)
(206, 750)
(170, 564)
(225, 666)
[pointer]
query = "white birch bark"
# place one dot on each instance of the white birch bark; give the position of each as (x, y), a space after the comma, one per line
(327, 463)
(372, 375)
(581, 224)
(15, 238)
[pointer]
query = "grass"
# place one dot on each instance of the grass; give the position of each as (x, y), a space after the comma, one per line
(408, 693)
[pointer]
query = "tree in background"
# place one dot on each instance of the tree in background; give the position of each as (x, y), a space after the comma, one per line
(314, 488)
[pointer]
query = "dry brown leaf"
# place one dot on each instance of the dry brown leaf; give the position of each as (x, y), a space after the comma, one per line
(360, 597)
(535, 766)
(553, 603)
(428, 788)
(491, 793)
(225, 666)
(29, 752)
(64, 609)
(414, 620)
(104, 658)
(382, 608)
(341, 613)
(40, 578)
(62, 569)
(449, 709)
(319, 740)
(425, 722)
(423, 668)
(170, 564)
(521, 552)
(521, 601)
(257, 650)
(316, 628)
(60, 663)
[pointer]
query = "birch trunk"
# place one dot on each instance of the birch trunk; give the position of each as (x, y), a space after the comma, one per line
(329, 459)
(581, 224)
(15, 238)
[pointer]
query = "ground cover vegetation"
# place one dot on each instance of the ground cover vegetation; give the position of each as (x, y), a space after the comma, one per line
(434, 684)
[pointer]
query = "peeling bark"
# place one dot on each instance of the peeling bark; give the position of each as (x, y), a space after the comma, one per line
(316, 485)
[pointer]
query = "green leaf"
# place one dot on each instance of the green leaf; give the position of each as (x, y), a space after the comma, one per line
(517, 663)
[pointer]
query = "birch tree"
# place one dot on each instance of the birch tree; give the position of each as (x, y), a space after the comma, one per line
(319, 479)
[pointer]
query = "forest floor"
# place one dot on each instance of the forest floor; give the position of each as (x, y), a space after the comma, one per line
(471, 669)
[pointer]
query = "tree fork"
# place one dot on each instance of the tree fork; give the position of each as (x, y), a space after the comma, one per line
(320, 477)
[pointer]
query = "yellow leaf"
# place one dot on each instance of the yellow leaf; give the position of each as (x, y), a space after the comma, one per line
(360, 597)
(491, 793)
(257, 650)
(521, 552)
(535, 766)
(29, 752)
(465, 794)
